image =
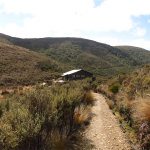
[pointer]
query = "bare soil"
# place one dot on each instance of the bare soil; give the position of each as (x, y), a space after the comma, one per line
(103, 132)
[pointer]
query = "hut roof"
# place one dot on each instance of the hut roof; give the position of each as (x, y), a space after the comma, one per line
(70, 72)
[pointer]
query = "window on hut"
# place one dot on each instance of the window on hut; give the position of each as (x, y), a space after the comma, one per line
(73, 76)
(82, 76)
(77, 75)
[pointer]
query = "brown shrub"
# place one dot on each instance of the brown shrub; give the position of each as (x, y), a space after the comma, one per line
(89, 99)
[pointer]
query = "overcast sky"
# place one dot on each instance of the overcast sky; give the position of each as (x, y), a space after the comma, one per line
(114, 22)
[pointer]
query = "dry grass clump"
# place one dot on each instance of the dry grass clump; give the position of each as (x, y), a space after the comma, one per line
(89, 99)
(127, 101)
(105, 90)
(142, 109)
(60, 142)
(142, 116)
(81, 114)
(110, 103)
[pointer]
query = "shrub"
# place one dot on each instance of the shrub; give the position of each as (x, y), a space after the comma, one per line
(115, 88)
(28, 121)
(130, 90)
(135, 73)
(146, 82)
(125, 83)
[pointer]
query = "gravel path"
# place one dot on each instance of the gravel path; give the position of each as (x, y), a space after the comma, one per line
(104, 132)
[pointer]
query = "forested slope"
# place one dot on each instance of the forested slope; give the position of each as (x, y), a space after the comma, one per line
(98, 58)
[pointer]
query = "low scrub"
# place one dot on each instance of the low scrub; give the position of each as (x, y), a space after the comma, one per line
(133, 105)
(35, 119)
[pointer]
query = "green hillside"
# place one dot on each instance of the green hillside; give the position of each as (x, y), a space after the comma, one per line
(21, 66)
(98, 58)
(139, 54)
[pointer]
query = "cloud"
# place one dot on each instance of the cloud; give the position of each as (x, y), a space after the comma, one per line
(107, 40)
(76, 15)
(139, 43)
(142, 43)
(72, 18)
(139, 32)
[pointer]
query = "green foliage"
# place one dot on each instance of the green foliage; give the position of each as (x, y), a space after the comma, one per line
(114, 88)
(133, 104)
(131, 89)
(121, 77)
(121, 73)
(146, 82)
(100, 59)
(51, 65)
(139, 54)
(28, 121)
(125, 83)
(94, 84)
(135, 73)
(138, 80)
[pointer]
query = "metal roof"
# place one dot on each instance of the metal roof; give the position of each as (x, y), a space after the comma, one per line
(70, 72)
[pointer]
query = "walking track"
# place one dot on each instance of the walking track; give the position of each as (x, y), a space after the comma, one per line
(104, 132)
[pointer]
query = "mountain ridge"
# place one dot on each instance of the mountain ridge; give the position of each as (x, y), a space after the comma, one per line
(99, 58)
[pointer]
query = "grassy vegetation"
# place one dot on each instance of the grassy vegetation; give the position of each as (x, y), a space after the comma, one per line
(139, 54)
(132, 104)
(42, 117)
(20, 66)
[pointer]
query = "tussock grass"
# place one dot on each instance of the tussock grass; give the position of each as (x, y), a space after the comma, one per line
(105, 90)
(142, 109)
(127, 102)
(60, 141)
(110, 103)
(81, 114)
(89, 99)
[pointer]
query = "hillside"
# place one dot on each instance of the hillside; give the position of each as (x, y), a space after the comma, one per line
(21, 66)
(98, 58)
(137, 53)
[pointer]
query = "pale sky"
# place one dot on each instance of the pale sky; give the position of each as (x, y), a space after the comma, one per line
(114, 22)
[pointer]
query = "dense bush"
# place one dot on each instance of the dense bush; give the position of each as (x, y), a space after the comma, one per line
(42, 118)
(115, 88)
(133, 104)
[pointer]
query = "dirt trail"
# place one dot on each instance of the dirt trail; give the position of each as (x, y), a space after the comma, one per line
(104, 132)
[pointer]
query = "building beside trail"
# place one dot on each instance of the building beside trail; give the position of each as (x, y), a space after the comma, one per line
(76, 75)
